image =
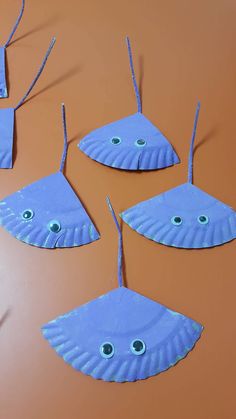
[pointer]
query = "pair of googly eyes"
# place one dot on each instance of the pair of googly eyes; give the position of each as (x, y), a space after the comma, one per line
(54, 226)
(137, 347)
(138, 143)
(177, 220)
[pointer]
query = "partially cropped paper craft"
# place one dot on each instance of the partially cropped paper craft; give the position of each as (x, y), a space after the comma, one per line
(184, 216)
(48, 213)
(3, 82)
(7, 119)
(122, 335)
(132, 143)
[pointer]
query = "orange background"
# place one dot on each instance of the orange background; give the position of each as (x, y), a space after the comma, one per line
(183, 51)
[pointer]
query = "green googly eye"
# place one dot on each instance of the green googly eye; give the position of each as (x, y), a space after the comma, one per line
(107, 350)
(140, 143)
(138, 347)
(176, 220)
(203, 219)
(116, 140)
(27, 214)
(54, 226)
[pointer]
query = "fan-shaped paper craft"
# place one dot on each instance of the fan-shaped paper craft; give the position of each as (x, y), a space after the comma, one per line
(48, 213)
(121, 317)
(156, 153)
(154, 218)
(7, 119)
(132, 143)
(184, 217)
(3, 82)
(52, 201)
(122, 335)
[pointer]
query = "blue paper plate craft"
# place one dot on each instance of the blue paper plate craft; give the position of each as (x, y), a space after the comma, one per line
(3, 82)
(122, 335)
(185, 216)
(48, 213)
(132, 143)
(7, 119)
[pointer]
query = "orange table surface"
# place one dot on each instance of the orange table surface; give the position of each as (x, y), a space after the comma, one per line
(184, 51)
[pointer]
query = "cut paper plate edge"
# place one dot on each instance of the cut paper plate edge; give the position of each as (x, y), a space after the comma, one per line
(93, 365)
(3, 93)
(126, 159)
(36, 236)
(6, 159)
(181, 237)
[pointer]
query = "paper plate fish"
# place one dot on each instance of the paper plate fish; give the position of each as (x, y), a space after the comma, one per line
(122, 335)
(3, 81)
(7, 119)
(185, 216)
(132, 143)
(48, 213)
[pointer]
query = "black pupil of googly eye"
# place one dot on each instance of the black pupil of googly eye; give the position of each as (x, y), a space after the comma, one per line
(141, 142)
(54, 227)
(27, 214)
(115, 140)
(177, 220)
(202, 218)
(138, 345)
(107, 349)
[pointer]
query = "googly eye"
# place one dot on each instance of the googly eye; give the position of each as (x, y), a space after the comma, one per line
(107, 350)
(116, 140)
(203, 219)
(140, 143)
(138, 347)
(27, 214)
(54, 226)
(176, 220)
